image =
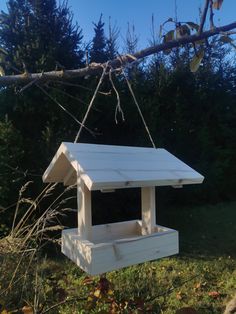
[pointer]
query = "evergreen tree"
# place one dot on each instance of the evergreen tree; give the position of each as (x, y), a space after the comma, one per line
(98, 50)
(38, 35)
(112, 45)
(131, 40)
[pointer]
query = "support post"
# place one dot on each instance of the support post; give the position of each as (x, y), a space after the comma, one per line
(148, 210)
(84, 210)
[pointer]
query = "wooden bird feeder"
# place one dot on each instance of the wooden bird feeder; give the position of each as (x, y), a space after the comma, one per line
(101, 248)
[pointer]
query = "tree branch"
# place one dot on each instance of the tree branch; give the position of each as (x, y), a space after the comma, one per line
(96, 68)
(203, 18)
(211, 15)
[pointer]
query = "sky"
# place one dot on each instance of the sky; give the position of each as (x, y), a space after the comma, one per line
(139, 13)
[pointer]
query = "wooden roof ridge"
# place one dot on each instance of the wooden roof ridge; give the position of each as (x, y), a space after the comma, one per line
(108, 166)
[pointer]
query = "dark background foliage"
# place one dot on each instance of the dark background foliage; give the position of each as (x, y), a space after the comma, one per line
(191, 115)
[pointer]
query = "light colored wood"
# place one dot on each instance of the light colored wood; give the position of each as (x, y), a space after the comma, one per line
(84, 209)
(71, 177)
(113, 167)
(118, 252)
(148, 198)
(114, 231)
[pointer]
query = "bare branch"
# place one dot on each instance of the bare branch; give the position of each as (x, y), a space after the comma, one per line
(203, 17)
(96, 69)
(211, 15)
(65, 110)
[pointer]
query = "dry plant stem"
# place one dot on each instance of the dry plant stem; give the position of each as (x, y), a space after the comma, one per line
(91, 102)
(173, 288)
(18, 204)
(28, 213)
(40, 221)
(203, 17)
(36, 298)
(11, 283)
(61, 303)
(96, 69)
(138, 107)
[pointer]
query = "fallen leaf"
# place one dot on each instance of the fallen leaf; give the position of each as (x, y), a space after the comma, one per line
(27, 310)
(179, 296)
(97, 293)
(198, 286)
(214, 294)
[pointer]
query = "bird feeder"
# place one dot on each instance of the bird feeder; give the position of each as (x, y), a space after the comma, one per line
(101, 248)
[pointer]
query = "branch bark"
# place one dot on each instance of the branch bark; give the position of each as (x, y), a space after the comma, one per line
(204, 14)
(95, 69)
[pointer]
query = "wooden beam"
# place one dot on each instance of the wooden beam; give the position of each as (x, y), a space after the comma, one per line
(148, 210)
(84, 210)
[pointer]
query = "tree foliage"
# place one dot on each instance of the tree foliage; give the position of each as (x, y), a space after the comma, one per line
(39, 35)
(98, 49)
(189, 112)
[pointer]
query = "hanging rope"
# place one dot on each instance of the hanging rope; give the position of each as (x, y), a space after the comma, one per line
(138, 107)
(91, 103)
(118, 106)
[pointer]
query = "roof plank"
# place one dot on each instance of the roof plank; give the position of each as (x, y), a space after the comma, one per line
(107, 166)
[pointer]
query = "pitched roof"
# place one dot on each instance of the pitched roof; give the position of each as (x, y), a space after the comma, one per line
(111, 167)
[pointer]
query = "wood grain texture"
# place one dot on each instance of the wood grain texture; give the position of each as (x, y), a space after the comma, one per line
(84, 210)
(113, 167)
(148, 197)
(120, 251)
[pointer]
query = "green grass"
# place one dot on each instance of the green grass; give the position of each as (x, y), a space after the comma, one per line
(202, 276)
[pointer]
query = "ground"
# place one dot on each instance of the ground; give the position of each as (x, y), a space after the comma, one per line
(201, 278)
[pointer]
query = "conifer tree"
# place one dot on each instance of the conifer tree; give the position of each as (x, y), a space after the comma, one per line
(112, 45)
(38, 35)
(98, 50)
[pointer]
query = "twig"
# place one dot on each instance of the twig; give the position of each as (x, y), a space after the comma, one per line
(37, 79)
(118, 106)
(173, 288)
(81, 86)
(91, 103)
(69, 95)
(62, 302)
(228, 33)
(25, 173)
(211, 15)
(203, 18)
(75, 98)
(64, 109)
(115, 63)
